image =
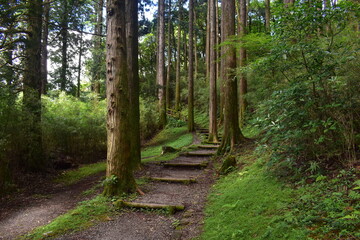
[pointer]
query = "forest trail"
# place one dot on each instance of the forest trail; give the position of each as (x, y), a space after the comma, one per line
(147, 225)
(43, 206)
(40, 204)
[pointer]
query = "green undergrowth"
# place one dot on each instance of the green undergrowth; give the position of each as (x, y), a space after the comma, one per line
(75, 175)
(245, 205)
(83, 216)
(173, 137)
(253, 203)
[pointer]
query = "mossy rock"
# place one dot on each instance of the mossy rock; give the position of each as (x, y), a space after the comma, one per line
(168, 149)
(229, 164)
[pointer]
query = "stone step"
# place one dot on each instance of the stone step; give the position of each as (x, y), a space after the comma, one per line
(186, 164)
(172, 208)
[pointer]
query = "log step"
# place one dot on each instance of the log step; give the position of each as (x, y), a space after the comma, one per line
(210, 143)
(172, 208)
(197, 154)
(173, 180)
(214, 146)
(186, 164)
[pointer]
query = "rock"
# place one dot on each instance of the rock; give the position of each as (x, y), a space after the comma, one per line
(229, 163)
(168, 149)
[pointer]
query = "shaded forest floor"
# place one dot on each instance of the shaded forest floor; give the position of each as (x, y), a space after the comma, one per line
(43, 200)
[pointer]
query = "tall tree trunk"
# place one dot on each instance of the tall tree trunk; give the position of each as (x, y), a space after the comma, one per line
(177, 81)
(160, 72)
(34, 158)
(98, 51)
(212, 75)
(133, 76)
(207, 50)
(64, 47)
(191, 124)
(44, 44)
(169, 59)
(243, 80)
(79, 64)
(196, 60)
(220, 62)
(267, 15)
(232, 134)
(120, 161)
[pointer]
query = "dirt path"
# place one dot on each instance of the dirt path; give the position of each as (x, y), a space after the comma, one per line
(138, 225)
(36, 208)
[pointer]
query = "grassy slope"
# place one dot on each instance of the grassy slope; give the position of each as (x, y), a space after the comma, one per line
(245, 204)
(173, 137)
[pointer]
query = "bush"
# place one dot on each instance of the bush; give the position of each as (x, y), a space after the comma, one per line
(74, 128)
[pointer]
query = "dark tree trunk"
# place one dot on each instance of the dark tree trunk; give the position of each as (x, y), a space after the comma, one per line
(98, 51)
(212, 74)
(160, 73)
(64, 47)
(34, 158)
(44, 44)
(267, 15)
(120, 161)
(232, 134)
(169, 59)
(178, 49)
(191, 125)
(133, 75)
(79, 65)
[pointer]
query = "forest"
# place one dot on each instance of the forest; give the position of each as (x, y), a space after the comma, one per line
(187, 119)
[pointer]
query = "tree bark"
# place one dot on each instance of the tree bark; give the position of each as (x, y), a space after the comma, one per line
(169, 59)
(64, 46)
(160, 73)
(120, 161)
(207, 50)
(232, 134)
(243, 80)
(213, 133)
(34, 158)
(98, 52)
(267, 15)
(79, 65)
(44, 44)
(177, 81)
(133, 75)
(191, 124)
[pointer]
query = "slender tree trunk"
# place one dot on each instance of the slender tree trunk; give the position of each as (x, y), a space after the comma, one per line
(120, 161)
(44, 52)
(160, 73)
(196, 66)
(98, 51)
(191, 124)
(220, 67)
(207, 50)
(133, 76)
(79, 64)
(169, 59)
(34, 158)
(212, 75)
(267, 15)
(64, 47)
(232, 134)
(177, 83)
(243, 80)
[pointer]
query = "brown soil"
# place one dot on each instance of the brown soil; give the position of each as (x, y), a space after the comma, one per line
(21, 214)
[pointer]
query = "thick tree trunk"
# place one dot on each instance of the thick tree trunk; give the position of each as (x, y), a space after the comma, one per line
(160, 73)
(44, 44)
(177, 81)
(120, 161)
(243, 80)
(232, 134)
(34, 158)
(169, 59)
(213, 135)
(191, 124)
(133, 76)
